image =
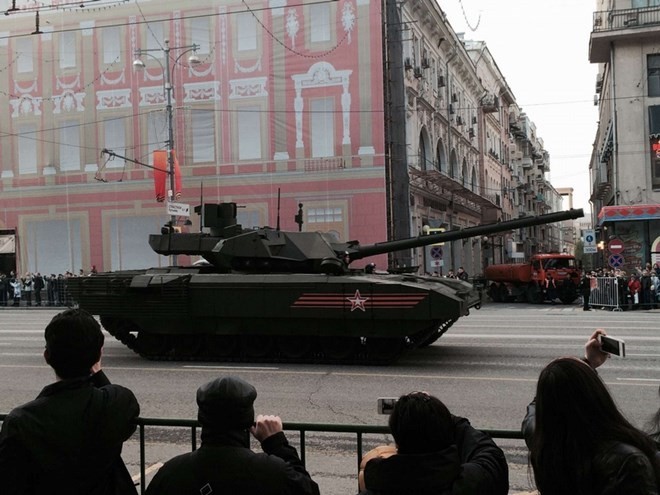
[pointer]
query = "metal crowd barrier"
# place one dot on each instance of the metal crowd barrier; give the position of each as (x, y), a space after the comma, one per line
(302, 428)
(612, 292)
(607, 294)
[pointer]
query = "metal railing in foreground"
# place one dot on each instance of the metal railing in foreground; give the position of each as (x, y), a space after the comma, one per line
(301, 428)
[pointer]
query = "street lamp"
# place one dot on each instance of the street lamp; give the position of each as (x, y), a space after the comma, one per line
(167, 85)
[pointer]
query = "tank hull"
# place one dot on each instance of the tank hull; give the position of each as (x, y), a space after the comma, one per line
(182, 314)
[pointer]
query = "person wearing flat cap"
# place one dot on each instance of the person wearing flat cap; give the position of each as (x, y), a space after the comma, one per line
(224, 463)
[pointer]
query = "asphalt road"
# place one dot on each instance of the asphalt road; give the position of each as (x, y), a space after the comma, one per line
(484, 368)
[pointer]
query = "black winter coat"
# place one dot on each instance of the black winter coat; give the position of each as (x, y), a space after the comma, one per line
(618, 468)
(69, 440)
(473, 464)
(225, 464)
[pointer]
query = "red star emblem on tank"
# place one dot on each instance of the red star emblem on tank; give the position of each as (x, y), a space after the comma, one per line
(357, 301)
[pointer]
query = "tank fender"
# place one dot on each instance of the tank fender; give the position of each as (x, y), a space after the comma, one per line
(150, 280)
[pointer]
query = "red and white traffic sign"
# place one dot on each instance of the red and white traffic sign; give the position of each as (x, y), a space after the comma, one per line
(615, 246)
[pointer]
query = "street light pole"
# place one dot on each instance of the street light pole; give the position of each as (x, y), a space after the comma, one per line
(169, 112)
(170, 133)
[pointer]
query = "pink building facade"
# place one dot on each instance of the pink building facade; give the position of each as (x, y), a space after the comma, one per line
(286, 98)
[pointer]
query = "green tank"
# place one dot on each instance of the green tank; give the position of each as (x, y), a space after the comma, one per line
(266, 295)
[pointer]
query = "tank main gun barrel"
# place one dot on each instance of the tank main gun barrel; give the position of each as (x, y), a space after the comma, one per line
(359, 252)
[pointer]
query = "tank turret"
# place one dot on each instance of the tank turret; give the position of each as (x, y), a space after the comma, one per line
(229, 247)
(269, 295)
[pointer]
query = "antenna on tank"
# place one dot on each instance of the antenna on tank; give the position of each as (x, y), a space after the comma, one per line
(278, 209)
(201, 202)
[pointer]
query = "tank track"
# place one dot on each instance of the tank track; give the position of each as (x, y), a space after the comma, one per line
(442, 328)
(366, 352)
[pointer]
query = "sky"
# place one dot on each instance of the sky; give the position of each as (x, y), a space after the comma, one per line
(542, 49)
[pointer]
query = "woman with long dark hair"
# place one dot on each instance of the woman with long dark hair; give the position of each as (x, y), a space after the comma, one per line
(580, 443)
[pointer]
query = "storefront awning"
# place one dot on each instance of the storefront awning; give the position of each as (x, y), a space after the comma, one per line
(623, 213)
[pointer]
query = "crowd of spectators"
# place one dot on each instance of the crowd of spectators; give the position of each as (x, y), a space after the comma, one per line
(639, 289)
(35, 289)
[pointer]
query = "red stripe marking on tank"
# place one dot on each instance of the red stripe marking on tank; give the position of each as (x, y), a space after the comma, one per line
(390, 300)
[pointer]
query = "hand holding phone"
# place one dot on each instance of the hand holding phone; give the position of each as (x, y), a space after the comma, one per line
(615, 347)
(386, 404)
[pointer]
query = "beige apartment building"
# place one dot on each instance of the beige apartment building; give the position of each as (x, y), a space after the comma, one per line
(625, 163)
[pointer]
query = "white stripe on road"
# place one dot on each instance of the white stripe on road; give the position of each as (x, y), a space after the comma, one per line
(657, 380)
(211, 367)
(149, 470)
(356, 374)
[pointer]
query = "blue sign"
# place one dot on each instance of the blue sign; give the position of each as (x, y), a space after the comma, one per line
(436, 252)
(589, 238)
(616, 261)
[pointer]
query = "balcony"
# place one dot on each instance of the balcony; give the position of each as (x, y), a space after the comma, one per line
(625, 24)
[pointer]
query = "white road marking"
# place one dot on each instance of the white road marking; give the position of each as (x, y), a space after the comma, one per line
(656, 380)
(149, 470)
(212, 367)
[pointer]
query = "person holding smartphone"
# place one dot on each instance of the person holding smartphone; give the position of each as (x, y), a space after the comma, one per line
(579, 440)
(435, 453)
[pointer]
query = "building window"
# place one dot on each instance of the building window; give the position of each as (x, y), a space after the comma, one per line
(324, 215)
(201, 34)
(322, 127)
(653, 68)
(41, 236)
(638, 4)
(329, 218)
(319, 22)
(249, 133)
(114, 135)
(246, 32)
(654, 142)
(248, 218)
(111, 45)
(27, 149)
(156, 39)
(67, 50)
(203, 136)
(127, 247)
(156, 133)
(69, 146)
(24, 53)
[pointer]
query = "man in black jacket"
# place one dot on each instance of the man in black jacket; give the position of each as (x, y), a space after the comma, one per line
(224, 463)
(69, 439)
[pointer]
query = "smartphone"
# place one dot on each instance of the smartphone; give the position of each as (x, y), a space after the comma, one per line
(616, 347)
(386, 404)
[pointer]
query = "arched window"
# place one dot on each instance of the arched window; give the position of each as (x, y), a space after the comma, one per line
(424, 153)
(453, 165)
(441, 157)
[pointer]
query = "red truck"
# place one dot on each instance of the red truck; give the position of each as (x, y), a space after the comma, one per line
(527, 281)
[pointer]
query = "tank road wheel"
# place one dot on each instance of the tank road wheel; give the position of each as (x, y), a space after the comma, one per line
(257, 346)
(294, 347)
(383, 351)
(220, 346)
(186, 346)
(153, 345)
(339, 348)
